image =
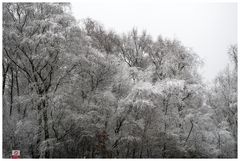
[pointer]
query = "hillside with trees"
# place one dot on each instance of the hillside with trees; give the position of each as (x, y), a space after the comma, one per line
(77, 90)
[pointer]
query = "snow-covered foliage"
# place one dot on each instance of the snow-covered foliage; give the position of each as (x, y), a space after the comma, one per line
(79, 91)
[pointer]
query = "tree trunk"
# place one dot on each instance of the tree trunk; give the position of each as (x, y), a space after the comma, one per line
(4, 77)
(127, 150)
(164, 150)
(11, 93)
(133, 154)
(39, 133)
(141, 150)
(165, 132)
(43, 129)
(17, 86)
(46, 132)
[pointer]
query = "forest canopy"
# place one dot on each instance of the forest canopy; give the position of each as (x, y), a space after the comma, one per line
(77, 90)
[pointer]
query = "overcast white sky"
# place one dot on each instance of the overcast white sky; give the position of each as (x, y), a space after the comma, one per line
(207, 28)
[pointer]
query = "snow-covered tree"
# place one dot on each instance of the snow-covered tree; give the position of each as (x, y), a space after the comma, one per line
(78, 90)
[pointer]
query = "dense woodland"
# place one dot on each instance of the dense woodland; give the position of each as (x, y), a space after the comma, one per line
(72, 89)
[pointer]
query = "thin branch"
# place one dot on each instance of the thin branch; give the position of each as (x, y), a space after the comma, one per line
(189, 132)
(60, 79)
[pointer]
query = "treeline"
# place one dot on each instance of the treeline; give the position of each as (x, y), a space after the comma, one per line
(75, 90)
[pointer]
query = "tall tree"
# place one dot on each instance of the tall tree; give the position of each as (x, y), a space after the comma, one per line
(33, 41)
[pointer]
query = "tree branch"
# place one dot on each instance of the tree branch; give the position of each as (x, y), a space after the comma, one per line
(189, 132)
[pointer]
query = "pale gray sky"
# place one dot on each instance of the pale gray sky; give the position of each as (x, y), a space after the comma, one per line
(207, 28)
